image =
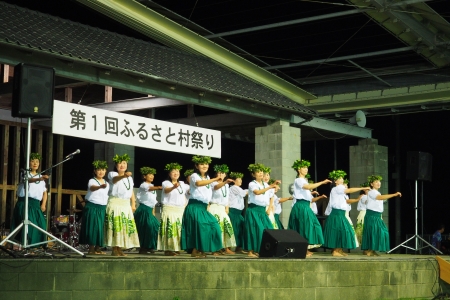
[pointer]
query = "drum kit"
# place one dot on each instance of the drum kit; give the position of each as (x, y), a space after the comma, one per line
(67, 227)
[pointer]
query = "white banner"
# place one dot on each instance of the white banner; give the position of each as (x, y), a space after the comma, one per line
(113, 127)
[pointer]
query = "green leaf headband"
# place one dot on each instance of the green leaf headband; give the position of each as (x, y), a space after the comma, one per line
(198, 159)
(147, 170)
(100, 164)
(173, 166)
(221, 168)
(365, 184)
(336, 174)
(308, 176)
(256, 167)
(267, 170)
(235, 175)
(34, 156)
(188, 172)
(373, 178)
(120, 158)
(271, 181)
(346, 181)
(298, 164)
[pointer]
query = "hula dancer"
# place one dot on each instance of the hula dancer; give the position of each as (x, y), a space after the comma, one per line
(219, 208)
(121, 230)
(271, 194)
(302, 219)
(236, 202)
(94, 211)
(146, 223)
(349, 208)
(174, 200)
(362, 213)
(187, 176)
(200, 231)
(37, 203)
(277, 206)
(256, 218)
(375, 234)
(338, 232)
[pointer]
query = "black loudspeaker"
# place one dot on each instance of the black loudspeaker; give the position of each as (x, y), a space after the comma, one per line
(283, 244)
(418, 165)
(33, 90)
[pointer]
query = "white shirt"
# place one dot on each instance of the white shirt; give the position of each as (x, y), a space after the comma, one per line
(146, 197)
(99, 196)
(262, 199)
(314, 208)
(299, 192)
(277, 204)
(220, 196)
(373, 203)
(177, 197)
(236, 199)
(200, 193)
(35, 189)
(349, 206)
(123, 188)
(337, 198)
(362, 203)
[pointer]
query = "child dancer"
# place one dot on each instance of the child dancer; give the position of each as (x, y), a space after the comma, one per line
(375, 234)
(338, 232)
(362, 213)
(349, 208)
(94, 211)
(256, 219)
(37, 203)
(219, 208)
(121, 230)
(271, 193)
(277, 206)
(174, 201)
(200, 231)
(146, 223)
(236, 202)
(302, 218)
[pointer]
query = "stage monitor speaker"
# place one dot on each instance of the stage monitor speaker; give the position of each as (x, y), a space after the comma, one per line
(283, 244)
(33, 90)
(418, 165)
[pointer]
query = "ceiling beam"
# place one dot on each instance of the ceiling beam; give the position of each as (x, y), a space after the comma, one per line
(168, 32)
(137, 104)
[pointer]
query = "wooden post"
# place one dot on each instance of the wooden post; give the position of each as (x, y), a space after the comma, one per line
(73, 201)
(68, 94)
(5, 73)
(16, 165)
(108, 93)
(4, 164)
(59, 172)
(49, 160)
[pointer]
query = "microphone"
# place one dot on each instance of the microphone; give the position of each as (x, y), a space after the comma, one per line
(72, 154)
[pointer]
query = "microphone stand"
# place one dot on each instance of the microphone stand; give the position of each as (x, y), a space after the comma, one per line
(25, 223)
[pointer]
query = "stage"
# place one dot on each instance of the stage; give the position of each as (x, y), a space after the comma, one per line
(155, 276)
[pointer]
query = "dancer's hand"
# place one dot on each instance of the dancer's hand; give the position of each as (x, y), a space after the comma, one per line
(103, 186)
(43, 207)
(128, 174)
(326, 181)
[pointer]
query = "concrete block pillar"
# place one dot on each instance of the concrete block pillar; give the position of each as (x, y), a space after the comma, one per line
(106, 151)
(277, 145)
(368, 158)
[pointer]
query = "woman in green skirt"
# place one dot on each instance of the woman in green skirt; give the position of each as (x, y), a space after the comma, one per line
(256, 216)
(302, 219)
(338, 233)
(236, 202)
(200, 231)
(37, 203)
(94, 211)
(146, 222)
(375, 234)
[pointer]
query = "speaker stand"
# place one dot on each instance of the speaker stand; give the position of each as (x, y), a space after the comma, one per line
(27, 222)
(416, 235)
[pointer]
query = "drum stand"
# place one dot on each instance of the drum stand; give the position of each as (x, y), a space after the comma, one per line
(27, 222)
(416, 236)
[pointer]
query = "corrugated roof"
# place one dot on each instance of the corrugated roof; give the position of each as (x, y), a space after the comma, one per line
(57, 36)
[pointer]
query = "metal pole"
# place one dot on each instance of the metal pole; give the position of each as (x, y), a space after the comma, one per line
(315, 161)
(335, 156)
(25, 183)
(397, 182)
(416, 229)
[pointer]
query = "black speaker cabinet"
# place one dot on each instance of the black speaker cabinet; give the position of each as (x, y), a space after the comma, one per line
(418, 165)
(33, 90)
(283, 244)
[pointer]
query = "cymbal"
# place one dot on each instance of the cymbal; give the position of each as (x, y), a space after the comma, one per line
(74, 210)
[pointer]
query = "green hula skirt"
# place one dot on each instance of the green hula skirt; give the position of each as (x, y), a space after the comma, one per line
(200, 229)
(93, 224)
(303, 220)
(277, 219)
(147, 226)
(256, 220)
(338, 232)
(375, 235)
(237, 221)
(35, 215)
